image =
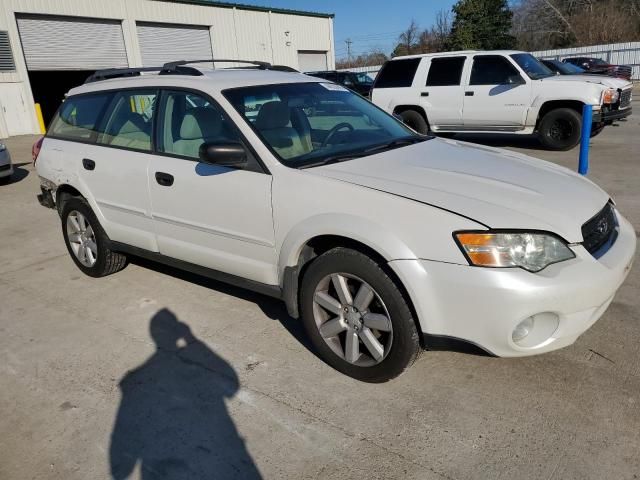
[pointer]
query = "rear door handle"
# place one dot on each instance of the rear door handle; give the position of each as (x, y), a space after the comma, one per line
(424, 94)
(164, 179)
(88, 164)
(468, 94)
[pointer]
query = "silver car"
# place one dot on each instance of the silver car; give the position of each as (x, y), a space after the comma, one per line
(6, 168)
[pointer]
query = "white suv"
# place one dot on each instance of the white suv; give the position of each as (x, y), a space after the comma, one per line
(497, 92)
(382, 240)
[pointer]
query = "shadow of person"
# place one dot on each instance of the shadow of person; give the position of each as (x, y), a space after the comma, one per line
(172, 418)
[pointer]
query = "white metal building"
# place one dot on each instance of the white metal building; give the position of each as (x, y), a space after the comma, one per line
(49, 46)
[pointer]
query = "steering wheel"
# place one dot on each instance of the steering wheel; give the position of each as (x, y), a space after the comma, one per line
(335, 130)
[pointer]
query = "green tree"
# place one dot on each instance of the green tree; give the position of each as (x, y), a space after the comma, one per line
(481, 24)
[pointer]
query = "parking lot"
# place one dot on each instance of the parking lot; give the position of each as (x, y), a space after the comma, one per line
(90, 375)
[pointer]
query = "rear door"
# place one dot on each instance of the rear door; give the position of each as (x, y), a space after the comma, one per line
(496, 95)
(442, 96)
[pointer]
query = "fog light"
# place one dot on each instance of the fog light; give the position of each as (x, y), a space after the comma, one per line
(522, 330)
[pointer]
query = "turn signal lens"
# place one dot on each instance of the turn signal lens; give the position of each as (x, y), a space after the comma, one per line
(610, 96)
(531, 251)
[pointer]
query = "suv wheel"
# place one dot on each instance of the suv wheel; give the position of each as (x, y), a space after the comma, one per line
(357, 318)
(560, 129)
(416, 121)
(86, 240)
(597, 129)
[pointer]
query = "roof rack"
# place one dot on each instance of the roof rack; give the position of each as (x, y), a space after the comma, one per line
(170, 68)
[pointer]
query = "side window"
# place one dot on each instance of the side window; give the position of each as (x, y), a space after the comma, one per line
(397, 73)
(189, 120)
(79, 117)
(491, 70)
(445, 71)
(128, 123)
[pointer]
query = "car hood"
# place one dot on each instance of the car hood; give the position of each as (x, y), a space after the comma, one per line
(610, 82)
(494, 187)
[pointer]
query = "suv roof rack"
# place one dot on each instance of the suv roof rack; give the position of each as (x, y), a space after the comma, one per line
(170, 68)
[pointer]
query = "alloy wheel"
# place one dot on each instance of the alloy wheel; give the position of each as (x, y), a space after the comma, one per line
(352, 319)
(82, 239)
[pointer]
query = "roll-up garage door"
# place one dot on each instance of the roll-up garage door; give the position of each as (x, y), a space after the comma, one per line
(65, 43)
(161, 43)
(312, 61)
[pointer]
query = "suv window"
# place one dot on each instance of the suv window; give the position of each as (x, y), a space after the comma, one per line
(491, 70)
(78, 117)
(397, 73)
(128, 123)
(445, 71)
(189, 120)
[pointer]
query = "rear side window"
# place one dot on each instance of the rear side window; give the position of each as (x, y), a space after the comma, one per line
(491, 70)
(128, 123)
(79, 117)
(397, 73)
(445, 71)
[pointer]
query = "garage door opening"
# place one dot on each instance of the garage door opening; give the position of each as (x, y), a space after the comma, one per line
(50, 87)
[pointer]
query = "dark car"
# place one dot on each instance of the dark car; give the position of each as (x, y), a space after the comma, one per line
(561, 68)
(600, 67)
(356, 81)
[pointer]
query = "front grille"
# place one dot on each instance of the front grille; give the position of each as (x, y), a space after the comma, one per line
(5, 167)
(600, 232)
(625, 98)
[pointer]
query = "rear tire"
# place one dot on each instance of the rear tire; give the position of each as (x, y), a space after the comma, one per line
(378, 322)
(416, 121)
(87, 242)
(560, 128)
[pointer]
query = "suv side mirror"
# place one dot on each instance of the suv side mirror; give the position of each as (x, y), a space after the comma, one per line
(515, 80)
(231, 154)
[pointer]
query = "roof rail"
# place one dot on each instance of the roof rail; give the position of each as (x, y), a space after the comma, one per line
(166, 69)
(257, 63)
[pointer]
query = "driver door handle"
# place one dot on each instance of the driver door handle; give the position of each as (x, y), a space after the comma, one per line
(164, 179)
(469, 94)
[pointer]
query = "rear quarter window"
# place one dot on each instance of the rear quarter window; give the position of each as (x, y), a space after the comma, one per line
(78, 117)
(397, 73)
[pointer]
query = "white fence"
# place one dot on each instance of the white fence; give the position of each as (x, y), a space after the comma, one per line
(614, 53)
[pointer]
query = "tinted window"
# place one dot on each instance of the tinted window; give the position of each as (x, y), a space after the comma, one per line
(491, 70)
(189, 120)
(128, 123)
(79, 117)
(397, 73)
(445, 71)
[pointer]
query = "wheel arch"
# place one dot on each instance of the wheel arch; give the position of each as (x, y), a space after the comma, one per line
(399, 109)
(550, 105)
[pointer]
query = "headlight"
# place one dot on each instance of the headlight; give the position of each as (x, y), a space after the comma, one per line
(528, 250)
(610, 95)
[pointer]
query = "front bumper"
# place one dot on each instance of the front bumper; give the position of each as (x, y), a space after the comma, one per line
(609, 116)
(6, 168)
(483, 305)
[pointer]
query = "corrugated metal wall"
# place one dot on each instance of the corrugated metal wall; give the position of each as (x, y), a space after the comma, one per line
(614, 53)
(235, 33)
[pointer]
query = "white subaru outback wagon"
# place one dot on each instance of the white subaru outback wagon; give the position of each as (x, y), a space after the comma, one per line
(382, 240)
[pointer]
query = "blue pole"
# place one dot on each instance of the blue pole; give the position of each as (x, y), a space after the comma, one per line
(585, 136)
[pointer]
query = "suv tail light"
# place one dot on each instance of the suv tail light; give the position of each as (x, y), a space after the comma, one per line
(35, 150)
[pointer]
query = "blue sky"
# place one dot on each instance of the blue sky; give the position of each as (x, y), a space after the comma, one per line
(369, 23)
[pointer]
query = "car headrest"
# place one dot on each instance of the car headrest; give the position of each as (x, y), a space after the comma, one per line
(201, 122)
(273, 115)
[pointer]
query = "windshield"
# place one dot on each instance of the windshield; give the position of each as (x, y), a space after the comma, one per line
(569, 68)
(307, 124)
(363, 79)
(533, 67)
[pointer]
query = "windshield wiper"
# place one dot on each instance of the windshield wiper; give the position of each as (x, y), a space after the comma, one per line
(399, 142)
(333, 159)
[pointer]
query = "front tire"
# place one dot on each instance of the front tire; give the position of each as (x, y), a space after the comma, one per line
(560, 128)
(357, 318)
(87, 242)
(416, 121)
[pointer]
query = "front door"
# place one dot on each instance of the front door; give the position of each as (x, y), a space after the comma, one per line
(496, 95)
(209, 215)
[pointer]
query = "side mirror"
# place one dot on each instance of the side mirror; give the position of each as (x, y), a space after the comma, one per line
(230, 154)
(515, 80)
